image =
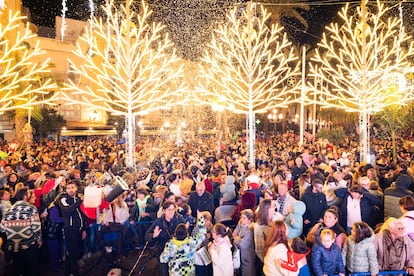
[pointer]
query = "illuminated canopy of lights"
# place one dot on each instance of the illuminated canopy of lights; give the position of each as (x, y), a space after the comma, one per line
(247, 64)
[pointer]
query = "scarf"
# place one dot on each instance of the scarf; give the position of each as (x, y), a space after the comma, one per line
(395, 249)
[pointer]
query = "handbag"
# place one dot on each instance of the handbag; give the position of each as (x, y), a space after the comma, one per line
(202, 257)
(236, 258)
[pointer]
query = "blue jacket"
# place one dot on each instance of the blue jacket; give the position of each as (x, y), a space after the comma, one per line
(294, 220)
(327, 261)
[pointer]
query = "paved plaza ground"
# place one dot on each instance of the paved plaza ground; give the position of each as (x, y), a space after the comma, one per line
(99, 264)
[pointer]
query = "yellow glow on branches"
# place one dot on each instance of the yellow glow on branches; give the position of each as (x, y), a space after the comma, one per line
(17, 69)
(248, 63)
(357, 77)
(130, 67)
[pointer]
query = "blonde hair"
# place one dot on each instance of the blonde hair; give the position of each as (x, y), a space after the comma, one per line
(326, 232)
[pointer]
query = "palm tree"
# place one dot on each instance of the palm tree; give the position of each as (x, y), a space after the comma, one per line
(286, 9)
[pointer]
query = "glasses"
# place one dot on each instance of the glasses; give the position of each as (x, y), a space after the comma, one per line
(401, 228)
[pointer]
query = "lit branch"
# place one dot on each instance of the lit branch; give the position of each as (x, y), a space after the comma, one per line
(19, 85)
(248, 63)
(369, 77)
(365, 66)
(128, 69)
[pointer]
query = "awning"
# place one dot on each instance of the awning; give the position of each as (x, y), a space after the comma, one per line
(88, 132)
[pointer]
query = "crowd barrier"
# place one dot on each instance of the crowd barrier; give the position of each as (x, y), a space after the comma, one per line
(113, 236)
(385, 272)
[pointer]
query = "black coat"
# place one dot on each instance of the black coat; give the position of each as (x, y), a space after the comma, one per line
(168, 229)
(367, 205)
(201, 203)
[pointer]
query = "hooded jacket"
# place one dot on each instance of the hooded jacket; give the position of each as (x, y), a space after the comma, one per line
(362, 256)
(294, 220)
(248, 201)
(72, 216)
(180, 254)
(228, 189)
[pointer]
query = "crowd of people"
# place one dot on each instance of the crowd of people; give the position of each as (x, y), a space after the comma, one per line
(202, 209)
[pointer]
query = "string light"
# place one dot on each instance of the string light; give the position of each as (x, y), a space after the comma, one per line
(363, 71)
(63, 24)
(17, 89)
(140, 75)
(248, 63)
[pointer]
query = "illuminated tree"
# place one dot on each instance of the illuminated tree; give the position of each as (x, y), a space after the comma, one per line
(365, 64)
(129, 69)
(280, 9)
(247, 65)
(20, 85)
(22, 76)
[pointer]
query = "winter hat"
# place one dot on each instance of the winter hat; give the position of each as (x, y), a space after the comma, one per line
(229, 180)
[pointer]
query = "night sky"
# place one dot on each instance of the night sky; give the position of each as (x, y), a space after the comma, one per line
(198, 24)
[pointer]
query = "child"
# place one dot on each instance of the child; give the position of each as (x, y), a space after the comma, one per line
(179, 251)
(202, 259)
(143, 211)
(326, 255)
(185, 211)
(359, 253)
(296, 257)
(294, 220)
(220, 251)
(243, 238)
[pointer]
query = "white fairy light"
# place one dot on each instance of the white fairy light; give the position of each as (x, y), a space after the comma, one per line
(63, 24)
(365, 73)
(249, 63)
(141, 75)
(19, 73)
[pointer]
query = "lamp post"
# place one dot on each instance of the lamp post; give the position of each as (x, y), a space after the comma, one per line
(219, 108)
(274, 118)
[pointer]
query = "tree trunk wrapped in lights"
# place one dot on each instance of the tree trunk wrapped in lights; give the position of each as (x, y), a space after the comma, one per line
(248, 64)
(20, 83)
(130, 67)
(365, 62)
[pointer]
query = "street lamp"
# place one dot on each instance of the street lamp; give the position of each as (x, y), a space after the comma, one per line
(274, 118)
